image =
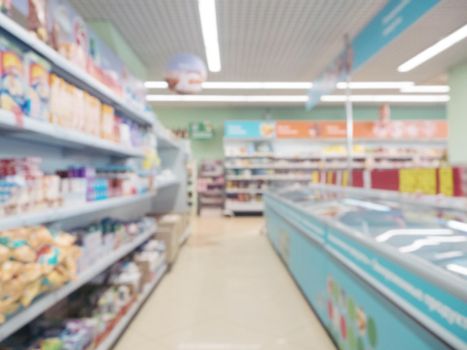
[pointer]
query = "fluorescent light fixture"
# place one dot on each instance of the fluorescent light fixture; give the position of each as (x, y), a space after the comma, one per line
(387, 85)
(257, 85)
(208, 16)
(431, 89)
(434, 50)
(156, 85)
(412, 232)
(227, 98)
(387, 98)
(297, 98)
(239, 85)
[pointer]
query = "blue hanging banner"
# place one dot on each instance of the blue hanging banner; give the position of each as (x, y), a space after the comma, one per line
(388, 24)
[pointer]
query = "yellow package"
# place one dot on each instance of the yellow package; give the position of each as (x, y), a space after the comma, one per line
(40, 236)
(4, 254)
(31, 291)
(64, 240)
(7, 307)
(9, 270)
(24, 254)
(30, 273)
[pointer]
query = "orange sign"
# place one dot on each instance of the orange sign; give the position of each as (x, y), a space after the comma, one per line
(364, 130)
(296, 129)
(332, 130)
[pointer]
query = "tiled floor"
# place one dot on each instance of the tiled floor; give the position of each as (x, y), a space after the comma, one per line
(227, 291)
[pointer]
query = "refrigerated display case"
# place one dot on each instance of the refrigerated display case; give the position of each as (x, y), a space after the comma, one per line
(380, 274)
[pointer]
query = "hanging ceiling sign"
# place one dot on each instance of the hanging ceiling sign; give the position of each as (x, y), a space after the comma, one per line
(388, 24)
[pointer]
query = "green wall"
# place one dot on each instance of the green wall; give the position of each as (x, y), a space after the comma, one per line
(180, 117)
(114, 39)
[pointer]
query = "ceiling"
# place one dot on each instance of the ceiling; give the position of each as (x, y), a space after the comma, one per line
(277, 40)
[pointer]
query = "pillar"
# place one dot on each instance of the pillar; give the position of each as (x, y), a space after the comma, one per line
(457, 114)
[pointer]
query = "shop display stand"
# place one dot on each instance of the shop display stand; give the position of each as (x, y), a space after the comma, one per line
(61, 148)
(343, 260)
(125, 321)
(174, 155)
(255, 164)
(45, 302)
(210, 183)
(73, 73)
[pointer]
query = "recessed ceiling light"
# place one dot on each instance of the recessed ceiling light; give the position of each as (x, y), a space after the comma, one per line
(271, 85)
(208, 17)
(434, 50)
(426, 89)
(256, 85)
(375, 85)
(387, 98)
(298, 98)
(156, 85)
(227, 98)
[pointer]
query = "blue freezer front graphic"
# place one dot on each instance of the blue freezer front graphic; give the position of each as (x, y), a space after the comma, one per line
(362, 297)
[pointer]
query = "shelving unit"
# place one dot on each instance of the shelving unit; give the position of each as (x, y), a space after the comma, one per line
(255, 164)
(210, 185)
(72, 72)
(62, 148)
(54, 135)
(52, 215)
(48, 300)
(124, 322)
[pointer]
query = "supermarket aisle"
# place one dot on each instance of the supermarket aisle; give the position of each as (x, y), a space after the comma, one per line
(228, 291)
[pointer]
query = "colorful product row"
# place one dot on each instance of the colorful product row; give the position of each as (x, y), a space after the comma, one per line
(85, 318)
(447, 181)
(58, 24)
(25, 188)
(29, 88)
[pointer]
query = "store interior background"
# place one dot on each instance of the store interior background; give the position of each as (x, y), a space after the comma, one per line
(280, 255)
(283, 52)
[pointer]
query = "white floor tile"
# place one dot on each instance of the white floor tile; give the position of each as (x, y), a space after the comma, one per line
(227, 291)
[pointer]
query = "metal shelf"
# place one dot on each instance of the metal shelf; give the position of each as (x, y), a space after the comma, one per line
(74, 72)
(25, 316)
(243, 207)
(51, 215)
(57, 214)
(46, 133)
(118, 330)
(244, 190)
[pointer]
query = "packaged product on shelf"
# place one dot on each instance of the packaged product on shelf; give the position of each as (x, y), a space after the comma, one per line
(38, 89)
(104, 64)
(12, 89)
(35, 260)
(107, 122)
(37, 18)
(92, 112)
(149, 259)
(55, 99)
(5, 6)
(78, 117)
(67, 31)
